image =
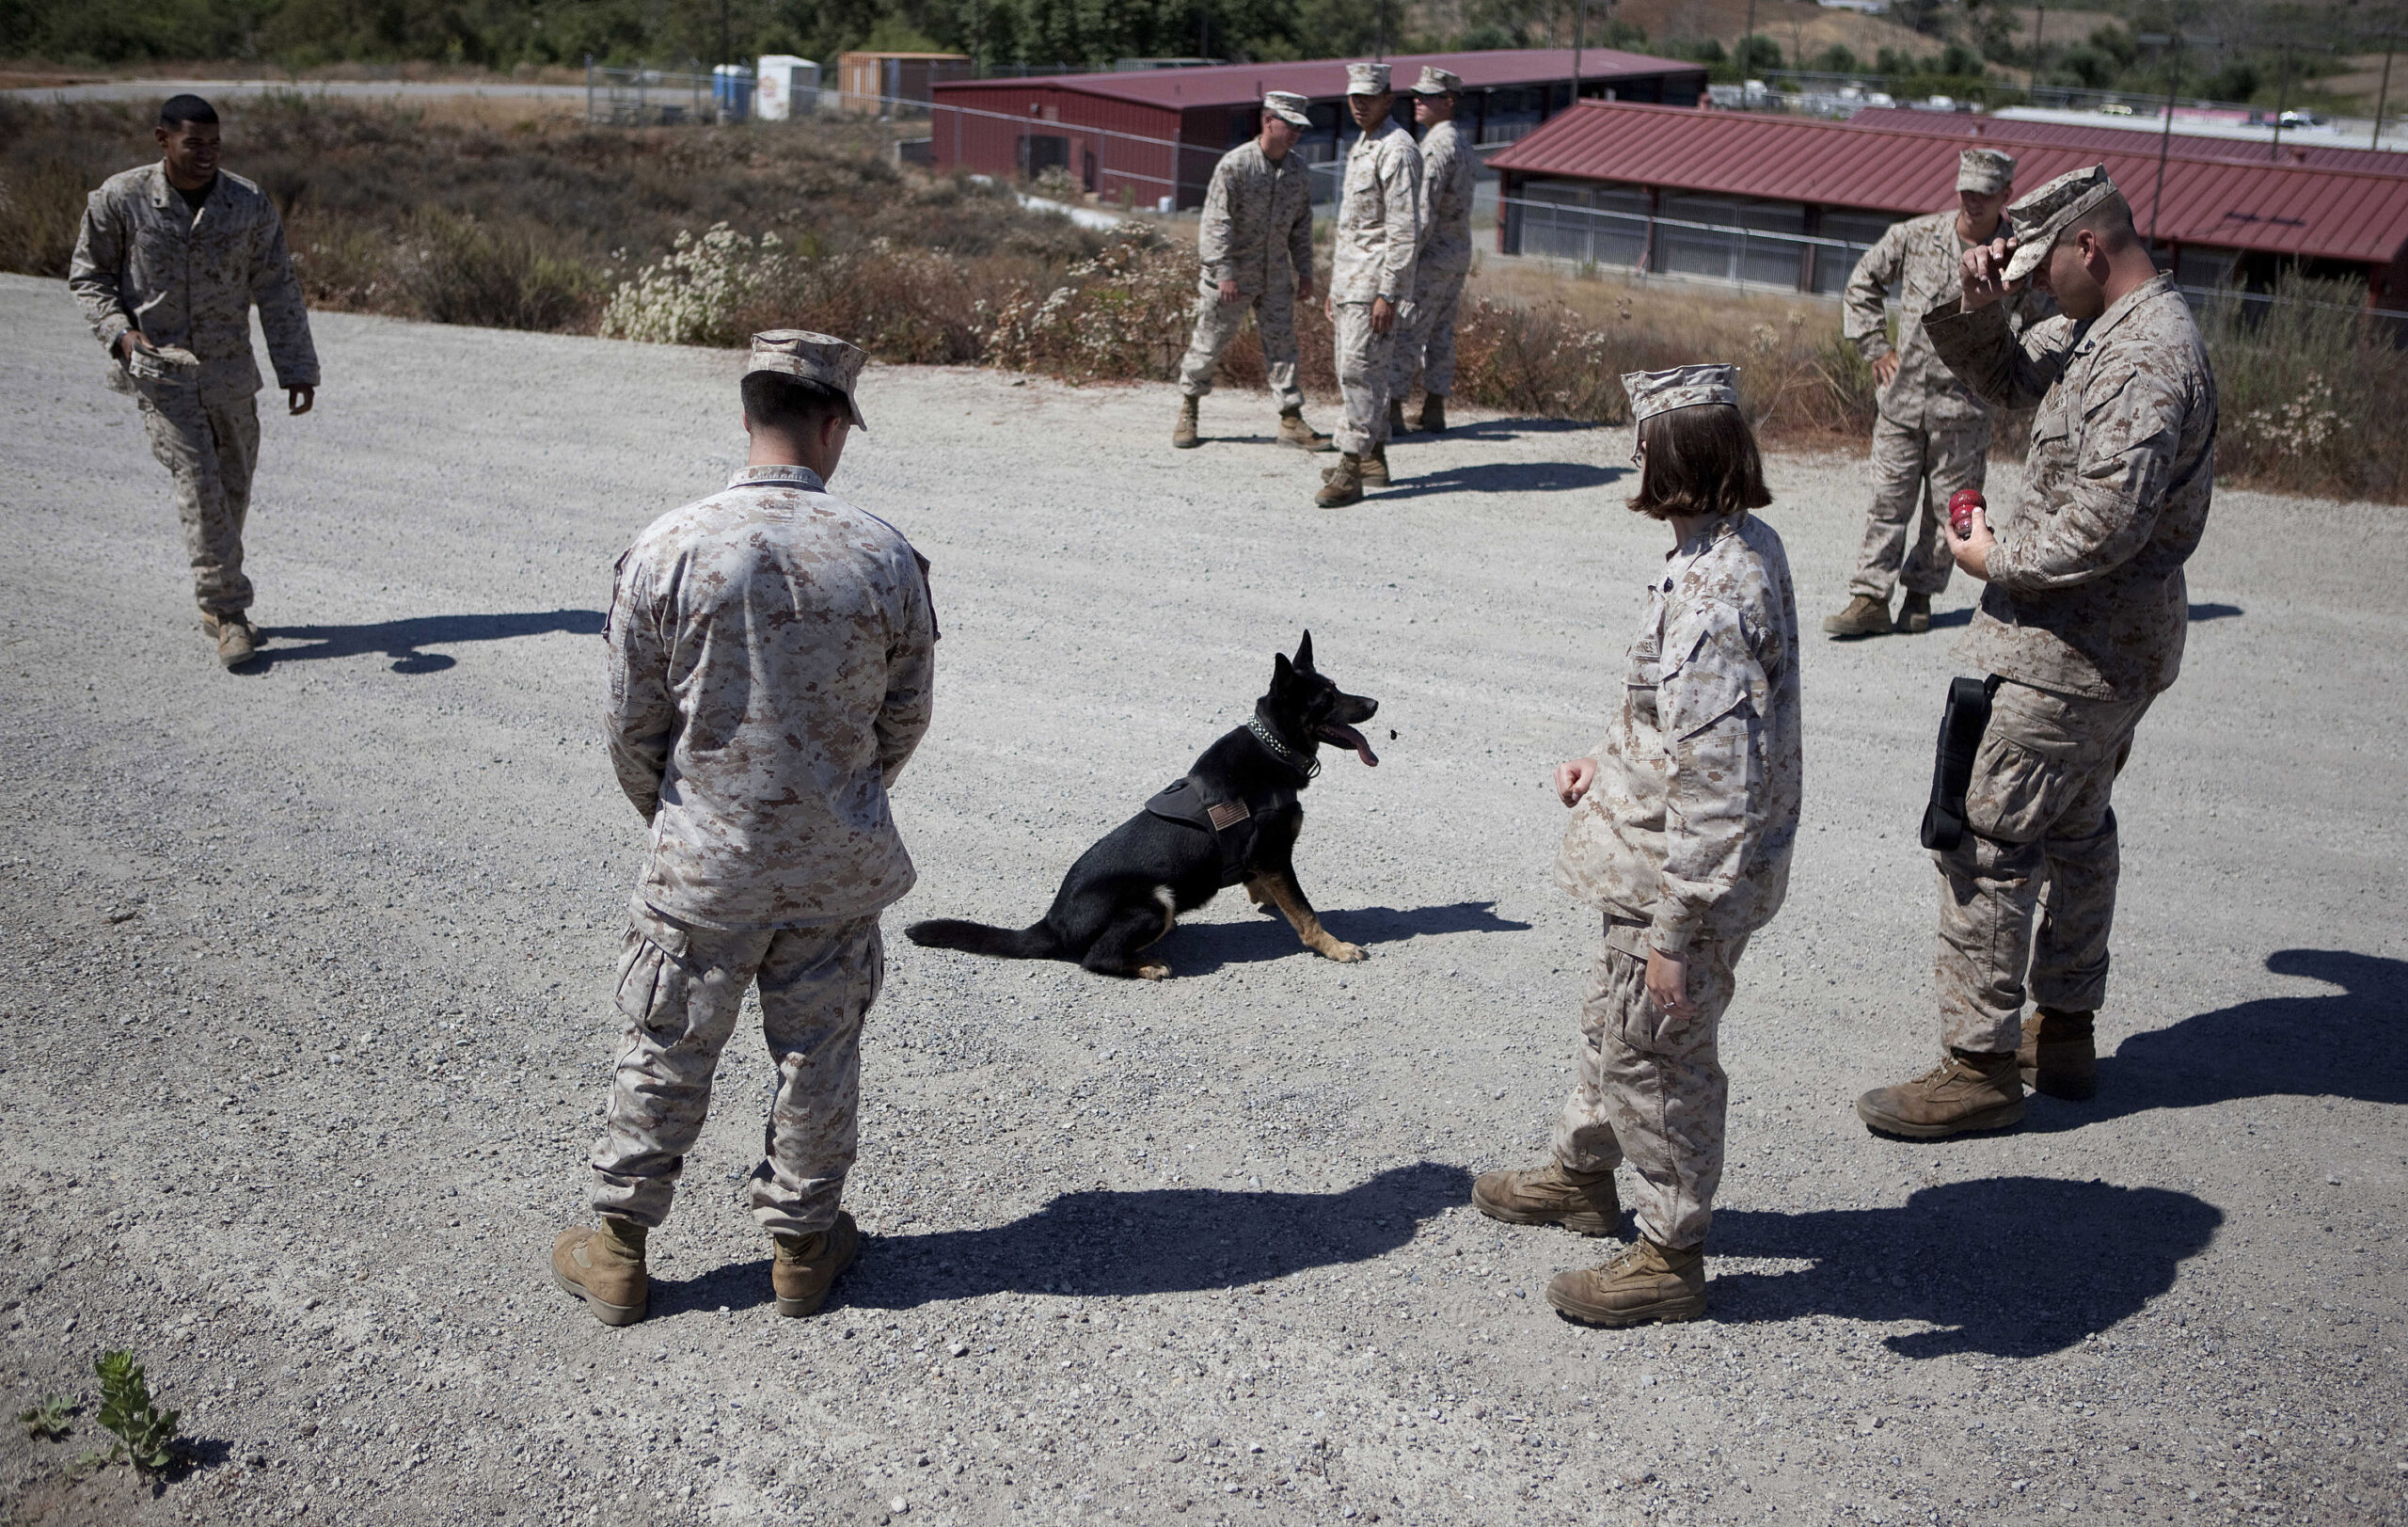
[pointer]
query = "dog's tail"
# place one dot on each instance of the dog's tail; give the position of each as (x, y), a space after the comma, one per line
(1035, 942)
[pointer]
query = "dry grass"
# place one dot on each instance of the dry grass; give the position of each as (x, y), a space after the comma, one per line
(546, 225)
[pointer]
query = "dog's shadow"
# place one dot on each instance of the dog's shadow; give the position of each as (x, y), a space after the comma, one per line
(1200, 948)
(1963, 614)
(1115, 1243)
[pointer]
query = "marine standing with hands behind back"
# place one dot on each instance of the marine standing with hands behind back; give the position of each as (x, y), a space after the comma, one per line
(167, 263)
(1425, 340)
(1374, 249)
(2081, 627)
(1255, 239)
(1683, 821)
(771, 657)
(1931, 436)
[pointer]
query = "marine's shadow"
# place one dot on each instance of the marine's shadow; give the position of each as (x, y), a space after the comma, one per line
(1491, 430)
(1200, 948)
(2352, 1043)
(2008, 1266)
(1504, 477)
(404, 640)
(1168, 1240)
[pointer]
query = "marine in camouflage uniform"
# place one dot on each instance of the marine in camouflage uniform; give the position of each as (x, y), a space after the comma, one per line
(1682, 842)
(182, 270)
(1256, 244)
(2081, 623)
(1374, 246)
(1425, 341)
(1931, 436)
(771, 656)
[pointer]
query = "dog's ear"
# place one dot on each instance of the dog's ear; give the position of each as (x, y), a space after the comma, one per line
(1282, 674)
(1305, 653)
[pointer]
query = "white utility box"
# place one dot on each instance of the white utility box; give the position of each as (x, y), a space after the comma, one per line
(785, 87)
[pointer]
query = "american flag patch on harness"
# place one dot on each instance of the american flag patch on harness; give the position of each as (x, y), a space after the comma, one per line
(1228, 814)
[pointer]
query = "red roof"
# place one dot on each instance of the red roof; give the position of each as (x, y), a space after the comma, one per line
(2311, 152)
(2295, 209)
(1324, 79)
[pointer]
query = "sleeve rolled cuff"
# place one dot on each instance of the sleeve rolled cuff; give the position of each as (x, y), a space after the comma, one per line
(112, 328)
(1994, 562)
(1670, 936)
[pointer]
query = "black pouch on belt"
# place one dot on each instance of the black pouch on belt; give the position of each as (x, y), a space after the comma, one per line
(1960, 736)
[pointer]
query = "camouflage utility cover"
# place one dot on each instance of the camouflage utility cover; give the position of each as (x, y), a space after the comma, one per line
(1689, 825)
(1258, 224)
(1449, 172)
(1916, 264)
(2086, 595)
(771, 657)
(1378, 237)
(145, 261)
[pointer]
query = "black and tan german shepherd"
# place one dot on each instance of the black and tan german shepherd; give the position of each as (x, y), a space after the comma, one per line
(1231, 820)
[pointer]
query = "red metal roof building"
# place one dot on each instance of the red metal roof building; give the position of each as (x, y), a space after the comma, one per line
(1157, 132)
(2005, 131)
(1789, 202)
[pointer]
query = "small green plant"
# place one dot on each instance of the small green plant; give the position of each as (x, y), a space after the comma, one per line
(47, 1421)
(146, 1435)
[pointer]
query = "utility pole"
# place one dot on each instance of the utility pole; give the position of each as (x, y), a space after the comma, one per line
(2383, 94)
(1579, 40)
(1744, 62)
(2165, 142)
(2282, 100)
(2039, 22)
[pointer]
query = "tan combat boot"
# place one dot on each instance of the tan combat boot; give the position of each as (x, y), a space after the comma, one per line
(1375, 466)
(2059, 1053)
(237, 639)
(1550, 1194)
(1396, 418)
(805, 1266)
(1645, 1282)
(1341, 485)
(1295, 431)
(1434, 413)
(1914, 614)
(1864, 617)
(1970, 1090)
(1183, 435)
(605, 1268)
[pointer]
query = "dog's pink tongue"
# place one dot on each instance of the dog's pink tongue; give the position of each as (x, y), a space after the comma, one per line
(1363, 751)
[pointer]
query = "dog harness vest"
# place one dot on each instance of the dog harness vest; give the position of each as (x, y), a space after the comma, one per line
(1230, 823)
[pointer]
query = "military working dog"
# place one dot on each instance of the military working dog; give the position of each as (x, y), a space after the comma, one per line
(1233, 819)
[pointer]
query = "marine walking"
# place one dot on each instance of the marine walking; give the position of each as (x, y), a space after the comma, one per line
(169, 260)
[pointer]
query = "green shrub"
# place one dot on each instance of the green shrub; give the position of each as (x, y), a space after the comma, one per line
(2313, 391)
(146, 1435)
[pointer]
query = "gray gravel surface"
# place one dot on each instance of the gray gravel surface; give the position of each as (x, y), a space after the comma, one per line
(306, 982)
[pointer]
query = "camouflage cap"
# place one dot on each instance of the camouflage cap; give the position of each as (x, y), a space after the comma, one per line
(1288, 106)
(2037, 221)
(1437, 80)
(1985, 170)
(813, 358)
(1367, 79)
(1654, 392)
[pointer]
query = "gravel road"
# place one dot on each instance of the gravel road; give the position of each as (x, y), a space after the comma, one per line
(305, 979)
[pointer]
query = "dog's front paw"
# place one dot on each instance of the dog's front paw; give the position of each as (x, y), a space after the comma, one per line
(1344, 953)
(1151, 973)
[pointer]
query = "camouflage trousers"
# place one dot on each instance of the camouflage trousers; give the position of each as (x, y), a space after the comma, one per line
(2037, 817)
(1914, 470)
(1217, 324)
(1651, 1090)
(210, 449)
(680, 989)
(1365, 361)
(1427, 344)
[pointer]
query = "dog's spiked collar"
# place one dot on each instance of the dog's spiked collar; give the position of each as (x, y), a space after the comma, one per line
(1308, 767)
